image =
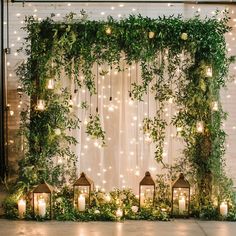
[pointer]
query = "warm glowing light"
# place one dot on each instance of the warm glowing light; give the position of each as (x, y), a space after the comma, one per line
(40, 105)
(200, 126)
(215, 106)
(208, 71)
(50, 84)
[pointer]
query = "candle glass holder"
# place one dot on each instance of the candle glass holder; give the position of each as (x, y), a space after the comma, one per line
(146, 191)
(82, 192)
(180, 197)
(42, 201)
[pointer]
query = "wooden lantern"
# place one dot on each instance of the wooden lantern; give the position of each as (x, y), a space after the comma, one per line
(146, 191)
(180, 197)
(82, 192)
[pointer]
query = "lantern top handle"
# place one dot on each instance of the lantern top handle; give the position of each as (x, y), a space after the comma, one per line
(83, 180)
(181, 182)
(147, 179)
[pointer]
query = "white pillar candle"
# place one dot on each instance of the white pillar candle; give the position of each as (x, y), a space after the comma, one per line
(81, 203)
(21, 208)
(182, 204)
(40, 105)
(209, 72)
(223, 209)
(119, 213)
(51, 84)
(42, 207)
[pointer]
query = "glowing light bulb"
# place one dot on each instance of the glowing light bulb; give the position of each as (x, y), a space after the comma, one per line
(179, 129)
(131, 102)
(85, 122)
(40, 105)
(50, 84)
(59, 160)
(200, 126)
(96, 143)
(215, 106)
(208, 71)
(111, 107)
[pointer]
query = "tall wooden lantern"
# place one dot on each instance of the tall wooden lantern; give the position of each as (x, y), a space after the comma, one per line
(82, 192)
(180, 197)
(146, 190)
(42, 200)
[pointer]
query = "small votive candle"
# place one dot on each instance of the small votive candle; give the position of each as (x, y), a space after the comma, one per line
(223, 209)
(21, 208)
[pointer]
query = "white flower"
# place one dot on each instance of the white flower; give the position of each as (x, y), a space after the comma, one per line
(184, 36)
(97, 212)
(57, 131)
(134, 209)
(151, 34)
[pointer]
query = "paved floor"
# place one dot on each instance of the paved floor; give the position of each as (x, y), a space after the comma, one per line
(128, 228)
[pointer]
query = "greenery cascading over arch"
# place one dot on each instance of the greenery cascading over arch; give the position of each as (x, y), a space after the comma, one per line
(173, 54)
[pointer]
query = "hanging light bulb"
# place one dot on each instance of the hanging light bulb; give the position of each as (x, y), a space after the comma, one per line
(50, 84)
(208, 71)
(200, 126)
(71, 101)
(96, 143)
(215, 106)
(40, 105)
(131, 101)
(110, 106)
(148, 138)
(85, 121)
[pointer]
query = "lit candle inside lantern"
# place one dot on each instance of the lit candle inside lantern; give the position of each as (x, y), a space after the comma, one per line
(223, 209)
(200, 126)
(215, 106)
(119, 213)
(209, 71)
(21, 208)
(182, 204)
(50, 84)
(42, 207)
(40, 105)
(81, 203)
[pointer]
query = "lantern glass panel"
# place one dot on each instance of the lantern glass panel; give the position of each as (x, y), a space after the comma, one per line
(85, 192)
(146, 195)
(180, 201)
(42, 204)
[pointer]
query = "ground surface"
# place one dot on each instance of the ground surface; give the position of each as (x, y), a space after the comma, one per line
(127, 228)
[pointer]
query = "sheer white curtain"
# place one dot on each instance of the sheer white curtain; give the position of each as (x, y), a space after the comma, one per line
(126, 156)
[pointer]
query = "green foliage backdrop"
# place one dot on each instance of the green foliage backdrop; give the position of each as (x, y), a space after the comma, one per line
(173, 54)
